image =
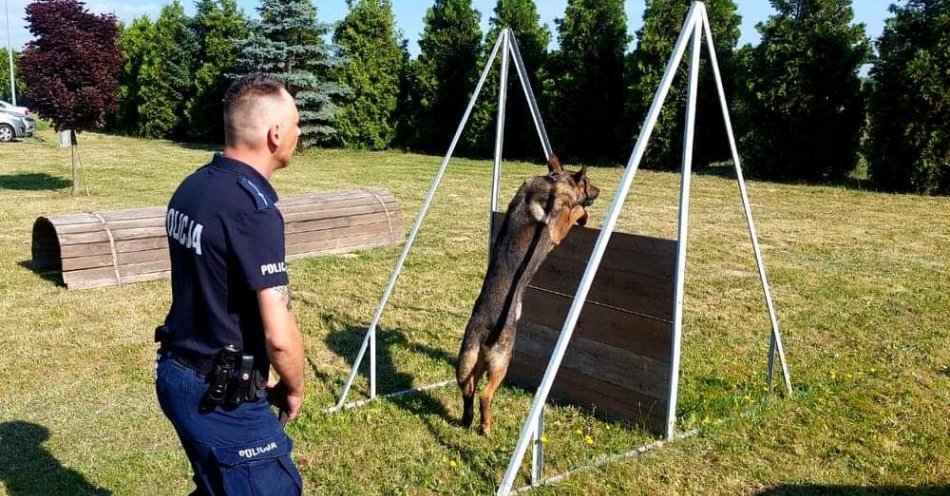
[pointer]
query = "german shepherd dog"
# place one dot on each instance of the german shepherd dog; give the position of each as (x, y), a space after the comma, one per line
(538, 218)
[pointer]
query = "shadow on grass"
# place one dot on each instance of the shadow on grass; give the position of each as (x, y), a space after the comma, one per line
(832, 490)
(32, 181)
(390, 377)
(26, 468)
(444, 426)
(52, 275)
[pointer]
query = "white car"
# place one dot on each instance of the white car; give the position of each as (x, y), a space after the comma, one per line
(12, 126)
(8, 107)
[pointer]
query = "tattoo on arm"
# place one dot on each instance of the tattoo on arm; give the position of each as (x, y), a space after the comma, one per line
(284, 292)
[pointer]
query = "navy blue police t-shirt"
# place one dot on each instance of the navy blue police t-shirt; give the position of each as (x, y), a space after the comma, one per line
(226, 242)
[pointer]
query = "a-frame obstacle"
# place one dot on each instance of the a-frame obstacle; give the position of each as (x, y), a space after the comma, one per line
(507, 48)
(694, 27)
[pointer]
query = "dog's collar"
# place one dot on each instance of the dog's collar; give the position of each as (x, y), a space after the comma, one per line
(557, 176)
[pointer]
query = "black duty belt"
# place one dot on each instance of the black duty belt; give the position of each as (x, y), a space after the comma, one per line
(197, 362)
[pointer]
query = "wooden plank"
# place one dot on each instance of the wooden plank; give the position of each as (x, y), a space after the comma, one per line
(638, 334)
(606, 363)
(586, 392)
(342, 232)
(124, 258)
(332, 213)
(651, 296)
(113, 225)
(332, 195)
(118, 235)
(110, 216)
(92, 249)
(360, 240)
(105, 282)
(81, 278)
(357, 198)
(340, 222)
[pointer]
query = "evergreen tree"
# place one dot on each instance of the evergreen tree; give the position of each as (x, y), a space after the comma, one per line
(166, 77)
(5, 77)
(662, 22)
(443, 77)
(586, 91)
(909, 138)
(372, 64)
(806, 108)
(289, 42)
(521, 138)
(135, 42)
(219, 25)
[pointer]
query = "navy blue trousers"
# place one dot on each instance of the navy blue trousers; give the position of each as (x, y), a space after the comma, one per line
(236, 452)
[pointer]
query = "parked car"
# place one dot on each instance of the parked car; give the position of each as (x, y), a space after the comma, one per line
(12, 126)
(30, 125)
(8, 107)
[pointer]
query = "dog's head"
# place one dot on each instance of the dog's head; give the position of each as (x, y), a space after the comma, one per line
(560, 189)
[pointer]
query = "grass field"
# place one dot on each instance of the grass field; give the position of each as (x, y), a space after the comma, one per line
(861, 282)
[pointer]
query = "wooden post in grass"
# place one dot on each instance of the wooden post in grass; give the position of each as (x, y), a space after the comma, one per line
(73, 152)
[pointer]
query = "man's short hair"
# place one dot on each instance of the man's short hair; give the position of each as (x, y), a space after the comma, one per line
(242, 93)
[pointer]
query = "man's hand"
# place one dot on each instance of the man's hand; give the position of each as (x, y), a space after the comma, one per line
(289, 403)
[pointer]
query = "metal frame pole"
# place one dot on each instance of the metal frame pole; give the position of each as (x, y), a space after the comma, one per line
(530, 425)
(529, 95)
(499, 132)
(6, 8)
(682, 237)
(775, 341)
(370, 339)
(537, 454)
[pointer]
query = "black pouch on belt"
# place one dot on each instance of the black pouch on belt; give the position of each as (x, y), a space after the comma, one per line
(246, 384)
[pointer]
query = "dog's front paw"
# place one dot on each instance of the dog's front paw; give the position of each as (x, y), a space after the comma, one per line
(579, 214)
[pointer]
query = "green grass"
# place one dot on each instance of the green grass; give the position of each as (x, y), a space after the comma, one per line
(861, 282)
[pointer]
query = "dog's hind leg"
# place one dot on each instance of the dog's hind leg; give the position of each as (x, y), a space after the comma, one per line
(468, 371)
(497, 368)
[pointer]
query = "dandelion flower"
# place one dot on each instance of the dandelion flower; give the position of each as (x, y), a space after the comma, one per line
(453, 464)
(588, 440)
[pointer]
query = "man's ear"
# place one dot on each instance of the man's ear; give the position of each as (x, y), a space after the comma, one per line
(554, 165)
(274, 135)
(581, 174)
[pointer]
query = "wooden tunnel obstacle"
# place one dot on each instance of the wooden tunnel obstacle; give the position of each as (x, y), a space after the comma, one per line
(110, 248)
(618, 363)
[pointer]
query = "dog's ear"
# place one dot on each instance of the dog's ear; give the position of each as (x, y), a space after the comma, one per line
(554, 165)
(581, 174)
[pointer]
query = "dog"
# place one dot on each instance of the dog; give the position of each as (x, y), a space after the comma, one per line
(539, 217)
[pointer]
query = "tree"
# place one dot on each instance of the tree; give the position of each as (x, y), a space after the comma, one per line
(135, 43)
(806, 109)
(218, 26)
(586, 92)
(5, 76)
(167, 74)
(71, 65)
(521, 139)
(443, 77)
(662, 22)
(289, 42)
(369, 47)
(909, 139)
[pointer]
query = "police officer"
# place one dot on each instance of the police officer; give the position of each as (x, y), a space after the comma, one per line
(231, 304)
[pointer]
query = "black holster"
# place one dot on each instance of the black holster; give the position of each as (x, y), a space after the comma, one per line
(233, 380)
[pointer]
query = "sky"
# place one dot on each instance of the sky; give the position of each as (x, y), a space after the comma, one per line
(409, 15)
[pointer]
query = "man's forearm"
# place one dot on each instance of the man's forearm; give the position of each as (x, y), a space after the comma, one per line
(282, 338)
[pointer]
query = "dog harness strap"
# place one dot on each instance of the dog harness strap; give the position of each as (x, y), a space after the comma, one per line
(115, 257)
